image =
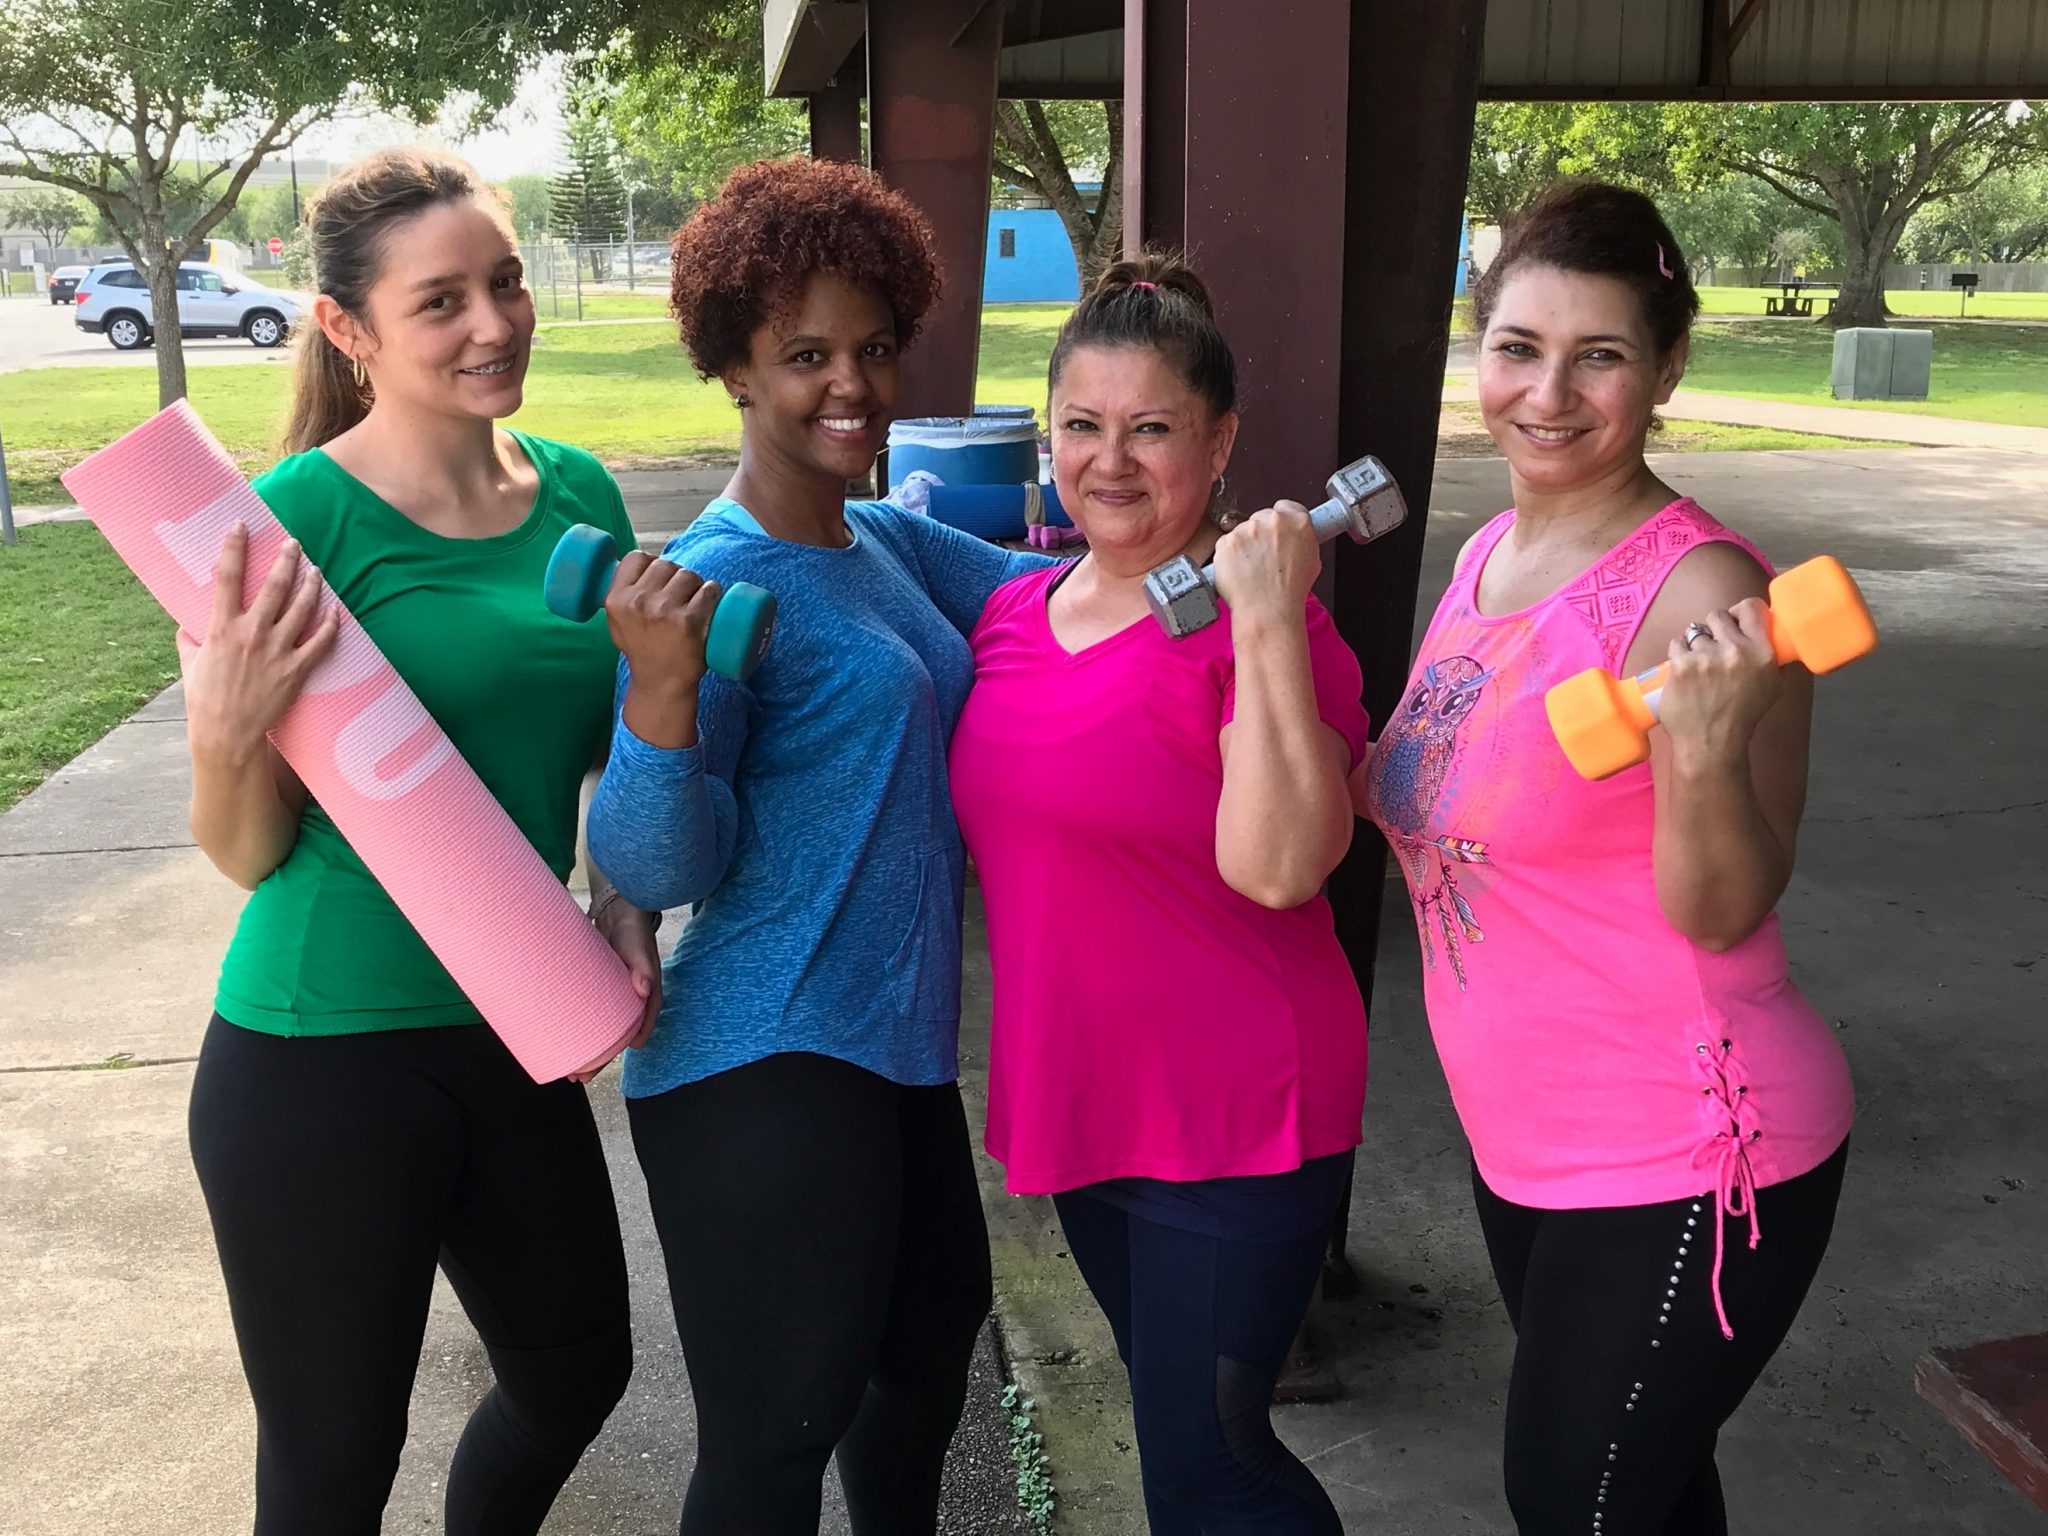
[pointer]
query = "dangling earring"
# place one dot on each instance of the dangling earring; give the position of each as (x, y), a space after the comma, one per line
(362, 377)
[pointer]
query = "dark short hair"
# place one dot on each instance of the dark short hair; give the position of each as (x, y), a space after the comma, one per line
(1602, 231)
(1154, 301)
(772, 226)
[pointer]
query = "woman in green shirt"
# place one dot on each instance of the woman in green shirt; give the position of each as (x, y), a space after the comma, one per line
(353, 1120)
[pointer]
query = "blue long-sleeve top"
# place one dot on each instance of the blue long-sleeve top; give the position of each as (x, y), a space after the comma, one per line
(810, 827)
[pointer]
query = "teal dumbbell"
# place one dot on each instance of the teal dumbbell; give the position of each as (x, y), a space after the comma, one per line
(580, 575)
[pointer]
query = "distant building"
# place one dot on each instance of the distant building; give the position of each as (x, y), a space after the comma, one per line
(1029, 259)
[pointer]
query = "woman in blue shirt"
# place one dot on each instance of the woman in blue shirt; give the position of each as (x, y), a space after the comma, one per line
(795, 1111)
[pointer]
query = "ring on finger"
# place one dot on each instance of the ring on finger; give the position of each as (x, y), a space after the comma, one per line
(1693, 632)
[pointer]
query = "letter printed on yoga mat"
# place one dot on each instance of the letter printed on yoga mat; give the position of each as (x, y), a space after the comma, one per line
(165, 495)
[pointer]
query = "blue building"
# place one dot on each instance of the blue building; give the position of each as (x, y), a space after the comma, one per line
(1029, 259)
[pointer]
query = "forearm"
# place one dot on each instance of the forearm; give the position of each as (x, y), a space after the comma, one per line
(239, 817)
(1285, 818)
(1720, 867)
(660, 827)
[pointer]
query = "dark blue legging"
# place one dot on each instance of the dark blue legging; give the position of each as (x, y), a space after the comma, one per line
(1204, 1325)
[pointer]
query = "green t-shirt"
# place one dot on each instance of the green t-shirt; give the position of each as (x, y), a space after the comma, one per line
(525, 696)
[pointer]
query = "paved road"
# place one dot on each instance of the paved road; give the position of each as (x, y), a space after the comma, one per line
(37, 334)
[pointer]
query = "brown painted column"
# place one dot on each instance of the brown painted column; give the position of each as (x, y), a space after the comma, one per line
(835, 115)
(1315, 171)
(1155, 123)
(1414, 84)
(931, 128)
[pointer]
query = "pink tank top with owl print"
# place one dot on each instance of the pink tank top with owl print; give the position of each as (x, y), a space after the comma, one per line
(1596, 1056)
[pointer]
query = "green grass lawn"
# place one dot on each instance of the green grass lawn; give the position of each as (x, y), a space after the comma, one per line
(626, 392)
(1929, 303)
(1981, 372)
(81, 646)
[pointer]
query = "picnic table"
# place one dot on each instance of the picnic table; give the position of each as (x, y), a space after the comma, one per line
(1996, 1394)
(1796, 297)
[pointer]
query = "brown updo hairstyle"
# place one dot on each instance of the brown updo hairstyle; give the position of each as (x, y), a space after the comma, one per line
(1156, 301)
(773, 224)
(349, 223)
(1601, 231)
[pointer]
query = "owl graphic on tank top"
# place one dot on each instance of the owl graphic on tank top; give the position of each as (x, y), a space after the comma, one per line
(1410, 764)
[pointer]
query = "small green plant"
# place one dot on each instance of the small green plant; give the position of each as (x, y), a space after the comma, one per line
(1027, 1450)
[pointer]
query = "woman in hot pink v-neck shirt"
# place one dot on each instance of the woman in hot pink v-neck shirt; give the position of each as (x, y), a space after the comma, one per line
(1178, 1054)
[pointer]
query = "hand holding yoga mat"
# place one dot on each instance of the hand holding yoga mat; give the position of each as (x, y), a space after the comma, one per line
(165, 496)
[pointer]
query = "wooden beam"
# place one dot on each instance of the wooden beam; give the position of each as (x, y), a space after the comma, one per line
(931, 134)
(1714, 45)
(1746, 18)
(1996, 1396)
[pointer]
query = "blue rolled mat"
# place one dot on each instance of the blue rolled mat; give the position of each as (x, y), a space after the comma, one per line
(993, 511)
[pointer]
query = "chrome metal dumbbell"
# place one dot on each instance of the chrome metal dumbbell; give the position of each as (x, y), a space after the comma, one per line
(1364, 502)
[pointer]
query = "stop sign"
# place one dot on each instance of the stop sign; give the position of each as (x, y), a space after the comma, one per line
(276, 245)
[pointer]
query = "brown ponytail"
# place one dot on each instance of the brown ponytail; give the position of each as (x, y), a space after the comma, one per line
(348, 223)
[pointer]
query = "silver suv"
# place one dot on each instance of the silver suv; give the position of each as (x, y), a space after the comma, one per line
(113, 300)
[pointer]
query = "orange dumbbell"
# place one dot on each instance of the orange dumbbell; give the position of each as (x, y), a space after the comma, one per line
(1818, 619)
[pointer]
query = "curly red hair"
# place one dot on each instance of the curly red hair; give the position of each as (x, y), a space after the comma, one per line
(773, 224)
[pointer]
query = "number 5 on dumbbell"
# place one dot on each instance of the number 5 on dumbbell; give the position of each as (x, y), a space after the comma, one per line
(1364, 502)
(1818, 618)
(580, 575)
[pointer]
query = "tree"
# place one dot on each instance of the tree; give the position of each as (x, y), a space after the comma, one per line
(687, 103)
(2005, 218)
(259, 214)
(587, 202)
(1866, 169)
(100, 99)
(46, 212)
(682, 127)
(1518, 148)
(527, 197)
(1039, 143)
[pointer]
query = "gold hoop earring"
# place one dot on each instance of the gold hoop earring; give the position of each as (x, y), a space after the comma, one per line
(362, 377)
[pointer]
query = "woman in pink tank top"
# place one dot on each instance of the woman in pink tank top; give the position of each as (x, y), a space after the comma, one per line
(1658, 1118)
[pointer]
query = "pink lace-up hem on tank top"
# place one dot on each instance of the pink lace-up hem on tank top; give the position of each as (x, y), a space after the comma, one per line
(1596, 1056)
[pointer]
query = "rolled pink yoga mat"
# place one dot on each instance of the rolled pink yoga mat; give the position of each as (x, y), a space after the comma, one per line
(165, 496)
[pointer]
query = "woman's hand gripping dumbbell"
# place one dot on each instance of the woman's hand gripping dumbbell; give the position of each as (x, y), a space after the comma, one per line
(1364, 502)
(680, 625)
(1817, 618)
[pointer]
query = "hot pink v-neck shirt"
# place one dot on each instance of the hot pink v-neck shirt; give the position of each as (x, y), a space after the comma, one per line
(1149, 1021)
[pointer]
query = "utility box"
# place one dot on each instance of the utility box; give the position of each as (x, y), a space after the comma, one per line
(1882, 364)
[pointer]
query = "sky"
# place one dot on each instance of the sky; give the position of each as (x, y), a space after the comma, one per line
(527, 135)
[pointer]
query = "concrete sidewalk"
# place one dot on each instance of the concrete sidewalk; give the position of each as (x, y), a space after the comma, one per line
(1918, 922)
(122, 1405)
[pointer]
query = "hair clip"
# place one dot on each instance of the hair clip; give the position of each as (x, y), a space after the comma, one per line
(1152, 287)
(1663, 265)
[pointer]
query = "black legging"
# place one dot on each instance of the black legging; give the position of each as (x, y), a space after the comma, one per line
(1622, 1379)
(1204, 1325)
(337, 1171)
(829, 1268)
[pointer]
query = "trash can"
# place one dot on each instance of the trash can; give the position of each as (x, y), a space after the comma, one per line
(1882, 364)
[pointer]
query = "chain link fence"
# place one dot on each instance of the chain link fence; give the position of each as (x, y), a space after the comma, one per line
(566, 276)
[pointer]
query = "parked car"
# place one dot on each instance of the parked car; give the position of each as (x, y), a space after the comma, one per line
(64, 284)
(113, 300)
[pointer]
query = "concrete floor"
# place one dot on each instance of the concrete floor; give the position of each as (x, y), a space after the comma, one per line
(1918, 922)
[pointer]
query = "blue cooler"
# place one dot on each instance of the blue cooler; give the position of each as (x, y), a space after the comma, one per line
(997, 445)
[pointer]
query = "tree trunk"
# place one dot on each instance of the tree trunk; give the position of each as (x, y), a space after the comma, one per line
(162, 273)
(1862, 300)
(1027, 136)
